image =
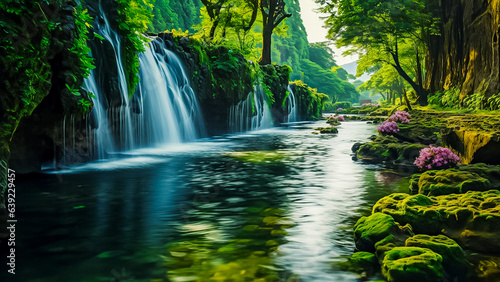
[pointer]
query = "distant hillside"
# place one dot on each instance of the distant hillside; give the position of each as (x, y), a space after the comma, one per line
(351, 68)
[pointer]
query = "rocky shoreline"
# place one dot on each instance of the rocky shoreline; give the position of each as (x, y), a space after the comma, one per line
(446, 227)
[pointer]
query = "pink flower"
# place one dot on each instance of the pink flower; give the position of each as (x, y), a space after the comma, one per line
(436, 157)
(388, 127)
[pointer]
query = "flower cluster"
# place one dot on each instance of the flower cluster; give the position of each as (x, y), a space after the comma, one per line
(436, 158)
(371, 105)
(400, 117)
(339, 109)
(388, 127)
(335, 118)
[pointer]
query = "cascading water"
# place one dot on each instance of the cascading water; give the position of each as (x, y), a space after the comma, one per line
(103, 140)
(169, 109)
(252, 113)
(292, 106)
(122, 114)
(163, 110)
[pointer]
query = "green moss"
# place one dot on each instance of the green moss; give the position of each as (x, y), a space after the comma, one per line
(472, 219)
(449, 181)
(490, 172)
(309, 101)
(327, 130)
(389, 149)
(361, 262)
(261, 156)
(452, 254)
(412, 264)
(377, 227)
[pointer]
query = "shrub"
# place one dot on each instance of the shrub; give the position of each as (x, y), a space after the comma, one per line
(400, 117)
(344, 105)
(388, 127)
(436, 158)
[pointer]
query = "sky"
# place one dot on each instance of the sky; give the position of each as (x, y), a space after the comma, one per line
(316, 32)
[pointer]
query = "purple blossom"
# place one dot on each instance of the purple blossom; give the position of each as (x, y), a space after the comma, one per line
(388, 127)
(400, 117)
(339, 109)
(340, 118)
(436, 157)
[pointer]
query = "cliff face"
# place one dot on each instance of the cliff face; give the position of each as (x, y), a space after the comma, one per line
(466, 54)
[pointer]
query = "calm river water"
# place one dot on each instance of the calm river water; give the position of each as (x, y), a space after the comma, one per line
(274, 205)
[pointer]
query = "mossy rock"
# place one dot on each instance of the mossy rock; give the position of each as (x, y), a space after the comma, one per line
(265, 157)
(412, 264)
(377, 227)
(388, 149)
(327, 130)
(362, 262)
(490, 172)
(472, 219)
(450, 181)
(414, 178)
(452, 253)
(411, 209)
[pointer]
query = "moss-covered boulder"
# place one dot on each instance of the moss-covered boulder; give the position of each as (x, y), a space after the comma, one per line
(362, 262)
(417, 210)
(389, 149)
(449, 181)
(412, 264)
(309, 102)
(377, 227)
(452, 254)
(472, 219)
(490, 172)
(327, 130)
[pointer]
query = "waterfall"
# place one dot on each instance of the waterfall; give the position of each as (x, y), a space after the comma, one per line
(163, 110)
(292, 106)
(251, 114)
(103, 140)
(124, 118)
(169, 109)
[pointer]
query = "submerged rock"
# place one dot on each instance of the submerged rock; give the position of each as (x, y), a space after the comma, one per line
(327, 130)
(378, 227)
(412, 264)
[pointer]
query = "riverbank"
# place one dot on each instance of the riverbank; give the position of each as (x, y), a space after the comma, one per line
(446, 225)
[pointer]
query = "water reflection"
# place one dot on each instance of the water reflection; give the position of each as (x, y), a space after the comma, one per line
(276, 205)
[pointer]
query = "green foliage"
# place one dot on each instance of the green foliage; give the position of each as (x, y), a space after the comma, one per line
(343, 105)
(25, 73)
(494, 102)
(134, 16)
(82, 23)
(309, 101)
(322, 54)
(448, 99)
(381, 27)
(170, 14)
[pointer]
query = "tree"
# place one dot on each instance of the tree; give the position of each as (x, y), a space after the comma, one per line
(231, 13)
(322, 54)
(273, 13)
(381, 25)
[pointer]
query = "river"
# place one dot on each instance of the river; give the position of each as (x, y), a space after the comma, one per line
(275, 205)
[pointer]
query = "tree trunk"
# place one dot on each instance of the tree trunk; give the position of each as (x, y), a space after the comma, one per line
(422, 94)
(212, 30)
(422, 99)
(265, 58)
